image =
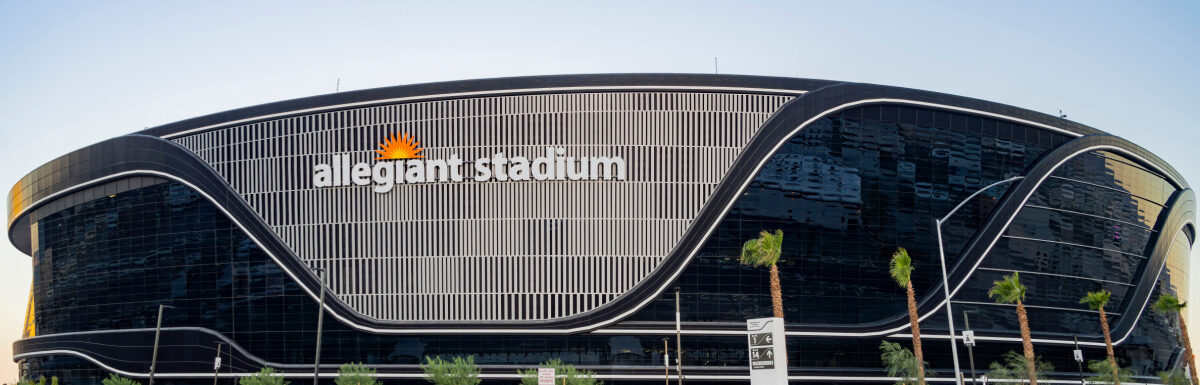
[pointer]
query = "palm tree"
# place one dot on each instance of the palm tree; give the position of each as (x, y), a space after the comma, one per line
(1010, 290)
(1097, 300)
(1169, 304)
(765, 251)
(901, 269)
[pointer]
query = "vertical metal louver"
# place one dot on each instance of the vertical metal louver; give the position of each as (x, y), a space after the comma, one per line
(491, 251)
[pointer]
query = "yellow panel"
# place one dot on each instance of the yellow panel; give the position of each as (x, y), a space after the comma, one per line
(30, 325)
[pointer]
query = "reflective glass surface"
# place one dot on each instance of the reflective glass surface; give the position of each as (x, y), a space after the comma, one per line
(1087, 228)
(846, 192)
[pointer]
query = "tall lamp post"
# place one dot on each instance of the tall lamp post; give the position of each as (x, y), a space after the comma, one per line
(946, 279)
(320, 322)
(157, 332)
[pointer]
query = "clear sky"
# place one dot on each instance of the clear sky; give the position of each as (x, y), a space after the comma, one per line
(72, 74)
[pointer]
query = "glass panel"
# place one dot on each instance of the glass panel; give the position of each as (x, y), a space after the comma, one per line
(847, 191)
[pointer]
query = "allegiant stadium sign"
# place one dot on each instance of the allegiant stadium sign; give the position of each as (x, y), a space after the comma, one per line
(400, 162)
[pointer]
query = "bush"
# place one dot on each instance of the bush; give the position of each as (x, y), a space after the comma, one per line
(266, 376)
(1012, 367)
(356, 374)
(114, 379)
(1103, 371)
(1175, 377)
(42, 381)
(457, 372)
(564, 372)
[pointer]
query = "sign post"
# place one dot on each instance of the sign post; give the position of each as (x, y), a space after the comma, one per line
(545, 376)
(1079, 360)
(768, 351)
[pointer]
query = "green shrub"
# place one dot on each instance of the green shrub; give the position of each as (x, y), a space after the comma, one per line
(458, 372)
(42, 381)
(1012, 367)
(266, 376)
(1175, 377)
(1103, 372)
(356, 374)
(563, 372)
(114, 379)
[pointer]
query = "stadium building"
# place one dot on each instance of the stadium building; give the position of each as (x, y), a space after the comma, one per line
(522, 219)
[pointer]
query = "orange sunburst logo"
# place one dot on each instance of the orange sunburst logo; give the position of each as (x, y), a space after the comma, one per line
(404, 147)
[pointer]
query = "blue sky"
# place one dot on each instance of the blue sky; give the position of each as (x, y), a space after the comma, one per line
(74, 73)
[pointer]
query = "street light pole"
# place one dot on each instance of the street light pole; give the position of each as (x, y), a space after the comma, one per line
(946, 279)
(320, 322)
(157, 332)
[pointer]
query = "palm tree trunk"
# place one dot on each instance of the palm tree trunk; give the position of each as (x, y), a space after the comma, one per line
(916, 334)
(1187, 345)
(1112, 358)
(776, 292)
(1027, 343)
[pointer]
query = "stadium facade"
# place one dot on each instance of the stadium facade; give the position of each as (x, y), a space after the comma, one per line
(521, 219)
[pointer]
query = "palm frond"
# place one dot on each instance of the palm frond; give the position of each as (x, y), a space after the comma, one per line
(901, 363)
(1012, 366)
(901, 267)
(1096, 299)
(764, 250)
(1008, 289)
(1168, 303)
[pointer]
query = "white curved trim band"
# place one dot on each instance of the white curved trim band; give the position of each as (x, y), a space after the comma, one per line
(691, 255)
(514, 376)
(484, 93)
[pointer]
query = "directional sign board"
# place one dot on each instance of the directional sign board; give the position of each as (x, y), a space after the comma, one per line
(762, 358)
(762, 339)
(545, 376)
(768, 352)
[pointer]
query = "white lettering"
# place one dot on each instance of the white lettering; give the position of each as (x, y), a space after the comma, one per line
(345, 170)
(559, 174)
(498, 162)
(321, 176)
(608, 164)
(543, 166)
(337, 170)
(416, 171)
(483, 172)
(519, 169)
(436, 168)
(384, 174)
(455, 168)
(362, 174)
(577, 173)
